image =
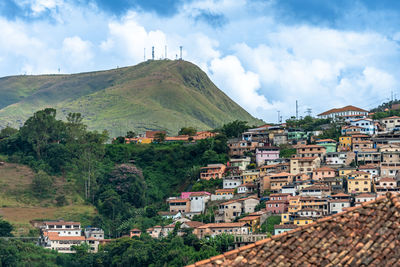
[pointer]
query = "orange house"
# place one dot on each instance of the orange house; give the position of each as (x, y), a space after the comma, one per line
(212, 171)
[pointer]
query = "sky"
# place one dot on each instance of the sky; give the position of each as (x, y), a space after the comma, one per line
(265, 55)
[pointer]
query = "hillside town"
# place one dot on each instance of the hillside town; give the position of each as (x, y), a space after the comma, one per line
(322, 176)
(274, 171)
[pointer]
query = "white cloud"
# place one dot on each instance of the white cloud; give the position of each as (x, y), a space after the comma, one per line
(77, 52)
(242, 85)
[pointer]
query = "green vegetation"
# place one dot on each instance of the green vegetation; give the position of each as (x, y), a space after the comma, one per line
(286, 151)
(191, 131)
(153, 95)
(126, 195)
(307, 123)
(72, 170)
(207, 185)
(172, 250)
(384, 114)
(268, 225)
(234, 129)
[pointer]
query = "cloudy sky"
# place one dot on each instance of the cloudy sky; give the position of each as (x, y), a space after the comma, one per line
(264, 54)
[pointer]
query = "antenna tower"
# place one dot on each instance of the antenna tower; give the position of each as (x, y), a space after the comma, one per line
(309, 112)
(297, 110)
(181, 52)
(144, 54)
(152, 52)
(165, 52)
(279, 116)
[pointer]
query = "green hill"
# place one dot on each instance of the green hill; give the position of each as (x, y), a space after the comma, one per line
(152, 95)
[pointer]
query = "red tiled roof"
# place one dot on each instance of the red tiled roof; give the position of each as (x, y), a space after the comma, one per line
(61, 223)
(346, 108)
(55, 236)
(325, 140)
(193, 224)
(341, 195)
(366, 235)
(222, 225)
(392, 117)
(178, 200)
(285, 226)
(365, 195)
(325, 168)
(198, 194)
(387, 179)
(249, 218)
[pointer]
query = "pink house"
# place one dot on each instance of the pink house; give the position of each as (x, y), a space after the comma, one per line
(186, 195)
(277, 206)
(280, 196)
(266, 153)
(323, 172)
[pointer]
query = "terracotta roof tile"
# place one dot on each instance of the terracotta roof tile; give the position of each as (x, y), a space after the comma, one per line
(366, 235)
(346, 108)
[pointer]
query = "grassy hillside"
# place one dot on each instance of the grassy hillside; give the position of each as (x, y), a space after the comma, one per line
(152, 95)
(19, 206)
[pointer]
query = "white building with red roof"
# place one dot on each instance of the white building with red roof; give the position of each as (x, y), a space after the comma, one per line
(343, 112)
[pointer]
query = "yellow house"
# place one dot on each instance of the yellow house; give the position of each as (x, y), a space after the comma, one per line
(253, 221)
(302, 221)
(285, 218)
(343, 172)
(225, 192)
(359, 182)
(250, 176)
(294, 204)
(344, 143)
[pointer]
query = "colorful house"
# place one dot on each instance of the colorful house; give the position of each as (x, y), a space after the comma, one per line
(212, 171)
(302, 221)
(359, 182)
(345, 143)
(329, 144)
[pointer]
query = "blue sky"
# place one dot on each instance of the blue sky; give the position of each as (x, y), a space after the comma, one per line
(263, 54)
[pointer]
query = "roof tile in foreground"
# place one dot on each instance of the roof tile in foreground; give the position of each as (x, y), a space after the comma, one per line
(367, 235)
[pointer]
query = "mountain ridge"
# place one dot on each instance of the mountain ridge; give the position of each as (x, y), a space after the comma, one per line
(152, 95)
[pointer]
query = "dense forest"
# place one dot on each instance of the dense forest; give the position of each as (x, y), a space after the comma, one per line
(127, 183)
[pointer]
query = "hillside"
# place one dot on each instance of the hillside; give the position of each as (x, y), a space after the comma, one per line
(152, 95)
(19, 206)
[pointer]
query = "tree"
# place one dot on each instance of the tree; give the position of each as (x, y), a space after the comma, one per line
(129, 183)
(7, 132)
(130, 134)
(191, 131)
(159, 137)
(42, 184)
(41, 129)
(234, 129)
(5, 228)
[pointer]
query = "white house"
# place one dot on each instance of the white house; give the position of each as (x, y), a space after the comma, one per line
(368, 126)
(231, 182)
(198, 201)
(338, 205)
(62, 235)
(336, 158)
(343, 112)
(364, 198)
